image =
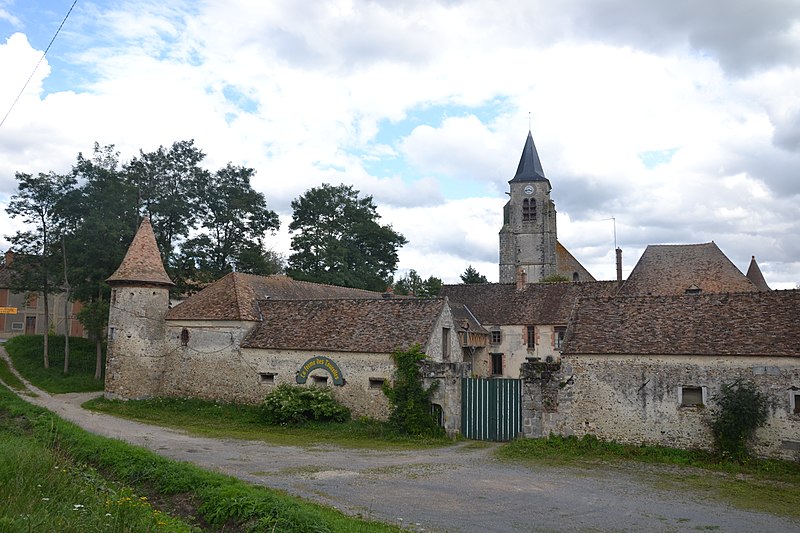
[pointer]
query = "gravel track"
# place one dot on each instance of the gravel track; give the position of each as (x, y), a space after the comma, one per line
(460, 488)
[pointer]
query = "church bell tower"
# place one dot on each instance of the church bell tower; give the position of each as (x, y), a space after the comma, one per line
(528, 236)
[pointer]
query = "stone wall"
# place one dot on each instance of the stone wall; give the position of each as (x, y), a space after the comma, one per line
(135, 358)
(448, 392)
(637, 400)
(513, 345)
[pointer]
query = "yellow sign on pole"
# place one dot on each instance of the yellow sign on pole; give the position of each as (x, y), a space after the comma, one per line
(8, 310)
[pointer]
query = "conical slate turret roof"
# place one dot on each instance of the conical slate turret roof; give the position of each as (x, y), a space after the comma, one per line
(142, 264)
(529, 168)
(754, 274)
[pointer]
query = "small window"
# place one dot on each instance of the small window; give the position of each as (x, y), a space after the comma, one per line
(530, 337)
(575, 276)
(376, 383)
(112, 333)
(266, 377)
(31, 300)
(559, 333)
(445, 344)
(496, 337)
(796, 402)
(692, 397)
(17, 326)
(322, 381)
(184, 337)
(497, 364)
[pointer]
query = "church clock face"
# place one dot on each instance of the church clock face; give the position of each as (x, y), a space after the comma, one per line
(528, 189)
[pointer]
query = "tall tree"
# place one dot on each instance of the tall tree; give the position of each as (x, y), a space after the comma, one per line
(412, 283)
(471, 275)
(37, 203)
(337, 239)
(101, 218)
(166, 182)
(234, 220)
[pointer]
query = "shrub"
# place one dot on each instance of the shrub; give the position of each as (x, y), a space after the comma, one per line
(409, 399)
(741, 410)
(292, 404)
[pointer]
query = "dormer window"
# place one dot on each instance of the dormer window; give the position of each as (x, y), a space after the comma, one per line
(528, 209)
(694, 289)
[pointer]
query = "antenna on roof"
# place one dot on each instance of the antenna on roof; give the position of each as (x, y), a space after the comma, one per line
(614, 220)
(529, 121)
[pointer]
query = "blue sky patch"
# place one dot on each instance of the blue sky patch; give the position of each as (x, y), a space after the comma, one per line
(653, 158)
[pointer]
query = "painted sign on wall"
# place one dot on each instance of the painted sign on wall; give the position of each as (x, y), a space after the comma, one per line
(325, 363)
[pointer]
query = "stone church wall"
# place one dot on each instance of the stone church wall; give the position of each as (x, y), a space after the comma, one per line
(638, 399)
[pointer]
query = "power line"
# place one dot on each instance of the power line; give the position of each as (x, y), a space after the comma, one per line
(37, 64)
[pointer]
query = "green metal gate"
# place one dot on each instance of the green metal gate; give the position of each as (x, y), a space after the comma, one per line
(491, 409)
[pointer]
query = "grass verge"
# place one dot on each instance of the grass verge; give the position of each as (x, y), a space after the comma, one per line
(216, 419)
(217, 502)
(9, 378)
(26, 354)
(766, 485)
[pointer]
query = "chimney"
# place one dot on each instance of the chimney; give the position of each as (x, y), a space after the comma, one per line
(619, 266)
(522, 279)
(9, 257)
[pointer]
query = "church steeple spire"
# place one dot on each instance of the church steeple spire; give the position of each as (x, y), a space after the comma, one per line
(530, 167)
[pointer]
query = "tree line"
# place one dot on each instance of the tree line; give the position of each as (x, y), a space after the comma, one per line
(206, 224)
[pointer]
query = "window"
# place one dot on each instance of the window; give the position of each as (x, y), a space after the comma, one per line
(692, 397)
(559, 332)
(376, 383)
(528, 210)
(575, 276)
(266, 377)
(530, 337)
(322, 381)
(795, 403)
(31, 300)
(184, 337)
(446, 344)
(497, 364)
(496, 337)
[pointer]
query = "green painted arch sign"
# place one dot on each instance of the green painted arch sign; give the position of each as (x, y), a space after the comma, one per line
(325, 363)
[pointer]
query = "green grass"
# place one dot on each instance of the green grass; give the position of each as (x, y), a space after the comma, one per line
(42, 491)
(218, 502)
(9, 378)
(26, 354)
(765, 485)
(225, 420)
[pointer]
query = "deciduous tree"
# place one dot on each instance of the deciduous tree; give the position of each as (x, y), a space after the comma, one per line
(37, 203)
(337, 239)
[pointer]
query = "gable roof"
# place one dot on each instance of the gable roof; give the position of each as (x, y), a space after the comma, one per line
(749, 324)
(529, 168)
(234, 296)
(755, 276)
(142, 263)
(567, 265)
(353, 325)
(499, 304)
(670, 269)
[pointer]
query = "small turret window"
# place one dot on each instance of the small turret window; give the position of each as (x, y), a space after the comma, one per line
(185, 337)
(528, 209)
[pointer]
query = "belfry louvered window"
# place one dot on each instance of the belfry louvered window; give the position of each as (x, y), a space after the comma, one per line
(528, 209)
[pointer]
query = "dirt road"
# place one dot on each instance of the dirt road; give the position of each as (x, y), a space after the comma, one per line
(460, 488)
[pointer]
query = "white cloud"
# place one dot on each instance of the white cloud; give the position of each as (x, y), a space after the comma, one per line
(307, 96)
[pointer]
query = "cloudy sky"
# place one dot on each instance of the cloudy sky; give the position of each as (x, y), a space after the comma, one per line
(680, 119)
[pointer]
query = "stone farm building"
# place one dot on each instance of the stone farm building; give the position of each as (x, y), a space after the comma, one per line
(637, 360)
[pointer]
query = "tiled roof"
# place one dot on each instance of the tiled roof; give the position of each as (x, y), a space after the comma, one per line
(462, 317)
(142, 263)
(233, 297)
(566, 264)
(368, 326)
(755, 276)
(750, 324)
(670, 269)
(499, 304)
